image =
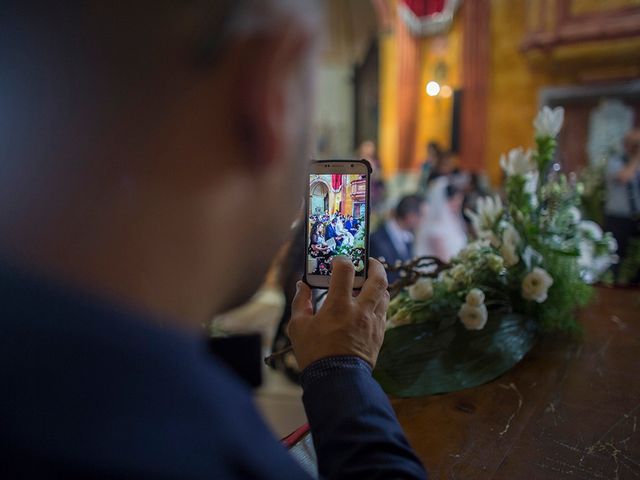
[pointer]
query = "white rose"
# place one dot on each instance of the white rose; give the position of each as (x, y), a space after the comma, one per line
(535, 285)
(548, 123)
(475, 297)
(473, 318)
(421, 290)
(518, 162)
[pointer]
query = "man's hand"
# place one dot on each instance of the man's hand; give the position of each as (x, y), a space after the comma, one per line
(344, 325)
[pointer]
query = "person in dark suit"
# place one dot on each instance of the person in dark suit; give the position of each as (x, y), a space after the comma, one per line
(150, 172)
(332, 231)
(393, 241)
(351, 225)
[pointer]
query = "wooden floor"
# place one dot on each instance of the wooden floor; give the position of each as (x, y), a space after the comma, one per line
(569, 410)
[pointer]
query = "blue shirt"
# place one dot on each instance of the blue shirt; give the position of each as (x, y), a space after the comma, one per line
(95, 391)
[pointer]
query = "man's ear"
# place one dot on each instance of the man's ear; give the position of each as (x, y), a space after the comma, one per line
(266, 75)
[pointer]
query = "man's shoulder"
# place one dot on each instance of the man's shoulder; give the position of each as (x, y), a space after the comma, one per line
(381, 233)
(91, 386)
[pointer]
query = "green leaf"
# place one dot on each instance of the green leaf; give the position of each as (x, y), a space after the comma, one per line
(415, 362)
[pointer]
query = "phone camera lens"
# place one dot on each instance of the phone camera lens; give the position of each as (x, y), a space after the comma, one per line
(352, 165)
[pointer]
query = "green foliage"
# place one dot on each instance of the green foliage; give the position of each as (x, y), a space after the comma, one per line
(593, 192)
(568, 292)
(531, 262)
(546, 148)
(416, 361)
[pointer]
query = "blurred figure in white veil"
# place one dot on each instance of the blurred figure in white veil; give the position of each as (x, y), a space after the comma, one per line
(442, 232)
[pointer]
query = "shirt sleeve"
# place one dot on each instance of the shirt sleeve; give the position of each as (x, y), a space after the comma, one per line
(355, 431)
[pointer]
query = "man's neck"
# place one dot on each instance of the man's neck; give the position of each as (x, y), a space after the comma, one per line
(125, 249)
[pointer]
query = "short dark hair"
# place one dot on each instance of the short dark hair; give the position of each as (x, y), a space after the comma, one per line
(409, 204)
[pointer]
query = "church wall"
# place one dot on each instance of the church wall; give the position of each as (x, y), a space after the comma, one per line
(516, 76)
(434, 113)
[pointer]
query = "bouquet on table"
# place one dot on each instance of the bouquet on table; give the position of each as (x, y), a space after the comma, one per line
(454, 326)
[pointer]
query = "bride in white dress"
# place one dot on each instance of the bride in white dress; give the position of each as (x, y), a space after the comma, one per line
(442, 233)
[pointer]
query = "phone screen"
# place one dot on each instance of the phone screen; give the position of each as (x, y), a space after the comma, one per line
(337, 223)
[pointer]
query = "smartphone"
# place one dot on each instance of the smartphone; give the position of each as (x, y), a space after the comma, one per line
(337, 218)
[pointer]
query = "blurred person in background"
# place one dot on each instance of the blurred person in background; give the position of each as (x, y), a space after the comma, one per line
(442, 233)
(444, 166)
(622, 206)
(152, 162)
(476, 187)
(367, 151)
(394, 240)
(434, 152)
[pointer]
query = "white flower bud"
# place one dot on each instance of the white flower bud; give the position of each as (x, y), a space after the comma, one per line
(475, 297)
(548, 123)
(495, 262)
(473, 318)
(509, 255)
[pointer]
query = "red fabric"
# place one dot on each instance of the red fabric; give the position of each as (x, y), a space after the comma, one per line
(423, 8)
(336, 182)
(293, 438)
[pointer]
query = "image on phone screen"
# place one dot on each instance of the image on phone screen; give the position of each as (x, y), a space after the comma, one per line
(336, 223)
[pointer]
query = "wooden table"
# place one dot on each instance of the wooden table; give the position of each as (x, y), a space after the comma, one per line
(569, 410)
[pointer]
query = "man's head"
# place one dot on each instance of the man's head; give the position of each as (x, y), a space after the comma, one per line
(154, 151)
(410, 211)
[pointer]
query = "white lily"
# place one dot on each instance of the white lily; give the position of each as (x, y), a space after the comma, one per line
(549, 122)
(518, 162)
(489, 211)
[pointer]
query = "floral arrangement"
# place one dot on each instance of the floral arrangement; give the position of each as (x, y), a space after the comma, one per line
(528, 269)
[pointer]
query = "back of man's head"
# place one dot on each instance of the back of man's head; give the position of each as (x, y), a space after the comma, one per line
(408, 212)
(408, 205)
(146, 144)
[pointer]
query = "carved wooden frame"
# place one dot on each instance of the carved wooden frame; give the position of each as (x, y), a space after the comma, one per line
(570, 28)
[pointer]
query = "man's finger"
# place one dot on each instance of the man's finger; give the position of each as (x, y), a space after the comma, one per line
(374, 287)
(382, 306)
(342, 275)
(301, 304)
